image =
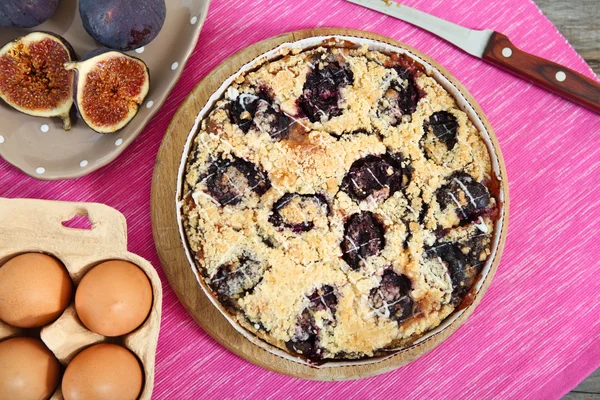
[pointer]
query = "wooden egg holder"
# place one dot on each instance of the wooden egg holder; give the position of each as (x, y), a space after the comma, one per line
(36, 226)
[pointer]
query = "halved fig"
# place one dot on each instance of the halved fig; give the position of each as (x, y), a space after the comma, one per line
(33, 78)
(109, 88)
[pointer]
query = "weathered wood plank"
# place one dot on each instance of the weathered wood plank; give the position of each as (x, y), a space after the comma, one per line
(590, 385)
(579, 22)
(581, 396)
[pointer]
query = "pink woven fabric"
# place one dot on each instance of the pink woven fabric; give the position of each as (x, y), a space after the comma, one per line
(535, 335)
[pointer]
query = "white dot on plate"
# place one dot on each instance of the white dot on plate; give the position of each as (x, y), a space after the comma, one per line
(561, 76)
(193, 20)
(174, 66)
(150, 104)
(83, 163)
(44, 128)
(507, 52)
(140, 50)
(40, 170)
(1, 139)
(118, 142)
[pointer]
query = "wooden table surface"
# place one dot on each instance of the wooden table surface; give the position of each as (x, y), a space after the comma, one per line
(579, 22)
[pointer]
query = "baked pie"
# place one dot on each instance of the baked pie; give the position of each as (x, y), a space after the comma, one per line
(338, 203)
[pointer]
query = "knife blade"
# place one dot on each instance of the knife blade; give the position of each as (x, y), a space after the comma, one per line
(497, 49)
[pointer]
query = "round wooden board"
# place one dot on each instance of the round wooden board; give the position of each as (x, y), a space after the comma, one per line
(172, 254)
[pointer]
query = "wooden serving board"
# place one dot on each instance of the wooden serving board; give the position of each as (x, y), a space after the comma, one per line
(36, 226)
(171, 249)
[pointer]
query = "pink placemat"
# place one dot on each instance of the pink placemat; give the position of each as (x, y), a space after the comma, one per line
(536, 333)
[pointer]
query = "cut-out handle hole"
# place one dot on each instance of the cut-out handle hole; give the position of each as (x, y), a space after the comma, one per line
(79, 222)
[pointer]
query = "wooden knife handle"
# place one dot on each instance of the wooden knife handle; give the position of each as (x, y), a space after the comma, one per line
(547, 74)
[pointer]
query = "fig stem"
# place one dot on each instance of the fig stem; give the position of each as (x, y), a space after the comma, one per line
(66, 119)
(70, 66)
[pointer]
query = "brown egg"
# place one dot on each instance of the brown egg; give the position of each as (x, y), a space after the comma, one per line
(113, 298)
(28, 370)
(103, 371)
(34, 290)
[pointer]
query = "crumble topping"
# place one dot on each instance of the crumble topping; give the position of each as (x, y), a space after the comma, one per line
(338, 202)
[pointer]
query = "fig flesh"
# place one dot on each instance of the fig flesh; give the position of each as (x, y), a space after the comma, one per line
(33, 78)
(26, 13)
(109, 89)
(123, 24)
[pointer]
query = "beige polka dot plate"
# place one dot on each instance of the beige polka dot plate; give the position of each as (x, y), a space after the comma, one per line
(43, 150)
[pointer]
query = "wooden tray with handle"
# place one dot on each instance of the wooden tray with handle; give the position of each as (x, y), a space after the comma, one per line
(180, 273)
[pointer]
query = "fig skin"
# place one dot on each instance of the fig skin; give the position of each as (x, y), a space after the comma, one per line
(123, 24)
(26, 13)
(63, 108)
(93, 63)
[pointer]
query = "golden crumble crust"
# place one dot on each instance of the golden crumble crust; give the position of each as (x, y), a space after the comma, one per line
(338, 202)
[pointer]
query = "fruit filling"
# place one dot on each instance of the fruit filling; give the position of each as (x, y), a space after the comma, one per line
(440, 135)
(468, 198)
(363, 238)
(321, 94)
(400, 100)
(251, 111)
(381, 176)
(319, 315)
(299, 212)
(233, 280)
(391, 299)
(230, 181)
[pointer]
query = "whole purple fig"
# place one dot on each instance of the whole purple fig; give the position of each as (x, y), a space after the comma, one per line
(26, 13)
(123, 24)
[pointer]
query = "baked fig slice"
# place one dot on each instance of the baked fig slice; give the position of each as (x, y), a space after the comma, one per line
(123, 24)
(109, 88)
(26, 13)
(33, 78)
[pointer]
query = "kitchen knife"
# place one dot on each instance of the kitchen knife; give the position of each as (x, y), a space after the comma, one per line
(496, 48)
